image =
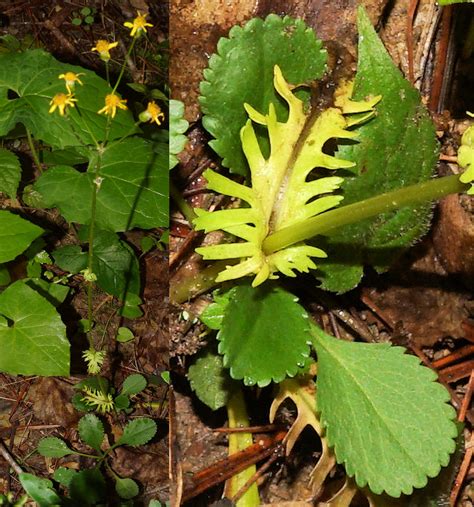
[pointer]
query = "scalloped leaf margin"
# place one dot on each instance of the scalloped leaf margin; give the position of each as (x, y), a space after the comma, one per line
(241, 71)
(388, 420)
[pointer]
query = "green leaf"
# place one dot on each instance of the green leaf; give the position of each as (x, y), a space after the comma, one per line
(133, 384)
(41, 490)
(16, 234)
(131, 308)
(5, 278)
(53, 447)
(449, 2)
(396, 149)
(178, 126)
(10, 173)
(264, 335)
(91, 431)
(115, 265)
(88, 487)
(124, 335)
(126, 488)
(70, 258)
(242, 72)
(121, 402)
(210, 381)
(55, 293)
(34, 343)
(64, 476)
(133, 190)
(33, 77)
(387, 418)
(138, 432)
(213, 314)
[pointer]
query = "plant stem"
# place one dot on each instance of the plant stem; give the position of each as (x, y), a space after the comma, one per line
(90, 253)
(183, 206)
(34, 153)
(345, 215)
(238, 418)
(124, 64)
(191, 286)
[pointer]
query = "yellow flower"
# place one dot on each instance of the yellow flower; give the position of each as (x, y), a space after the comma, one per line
(152, 113)
(103, 47)
(139, 24)
(111, 104)
(94, 359)
(61, 101)
(71, 78)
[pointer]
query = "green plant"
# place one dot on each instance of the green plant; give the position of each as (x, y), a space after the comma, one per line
(85, 16)
(87, 487)
(103, 173)
(376, 409)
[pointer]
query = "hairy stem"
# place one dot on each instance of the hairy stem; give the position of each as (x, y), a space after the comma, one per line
(34, 153)
(345, 215)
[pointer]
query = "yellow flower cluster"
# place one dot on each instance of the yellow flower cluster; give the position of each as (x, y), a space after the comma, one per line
(139, 25)
(62, 100)
(103, 47)
(152, 113)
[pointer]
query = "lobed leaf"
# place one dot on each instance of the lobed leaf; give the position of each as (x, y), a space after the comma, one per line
(138, 432)
(241, 71)
(32, 336)
(267, 348)
(397, 149)
(388, 420)
(283, 191)
(16, 235)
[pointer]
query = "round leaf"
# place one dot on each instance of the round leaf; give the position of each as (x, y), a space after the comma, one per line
(242, 72)
(91, 431)
(210, 381)
(138, 432)
(133, 384)
(264, 335)
(126, 488)
(53, 447)
(387, 418)
(88, 487)
(124, 335)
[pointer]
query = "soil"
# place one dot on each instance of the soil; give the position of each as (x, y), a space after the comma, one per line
(424, 302)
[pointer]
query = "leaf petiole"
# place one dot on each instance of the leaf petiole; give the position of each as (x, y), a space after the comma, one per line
(345, 215)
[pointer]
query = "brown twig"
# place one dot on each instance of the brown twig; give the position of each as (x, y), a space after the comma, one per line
(441, 59)
(232, 465)
(453, 357)
(462, 472)
(467, 398)
(409, 38)
(9, 458)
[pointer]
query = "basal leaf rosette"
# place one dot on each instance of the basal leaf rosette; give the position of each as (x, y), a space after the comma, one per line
(388, 420)
(283, 193)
